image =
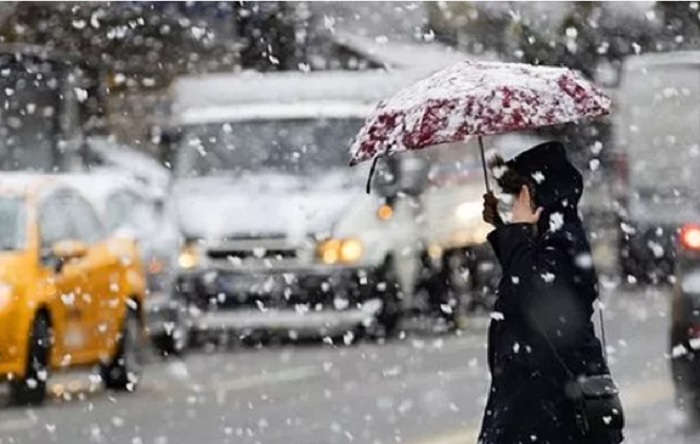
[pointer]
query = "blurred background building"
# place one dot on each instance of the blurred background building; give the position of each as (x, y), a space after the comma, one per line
(138, 48)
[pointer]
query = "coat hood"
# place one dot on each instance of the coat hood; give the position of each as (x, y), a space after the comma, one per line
(558, 189)
(556, 181)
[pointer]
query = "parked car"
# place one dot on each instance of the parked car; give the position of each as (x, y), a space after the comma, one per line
(70, 295)
(684, 337)
(130, 210)
(656, 150)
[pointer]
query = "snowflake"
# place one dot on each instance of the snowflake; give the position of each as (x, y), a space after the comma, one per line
(538, 176)
(694, 343)
(656, 248)
(584, 260)
(497, 316)
(499, 171)
(556, 221)
(547, 277)
(678, 351)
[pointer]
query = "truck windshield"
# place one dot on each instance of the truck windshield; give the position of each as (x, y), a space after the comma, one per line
(292, 146)
(659, 113)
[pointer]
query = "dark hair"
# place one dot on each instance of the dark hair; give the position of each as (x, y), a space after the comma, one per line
(510, 181)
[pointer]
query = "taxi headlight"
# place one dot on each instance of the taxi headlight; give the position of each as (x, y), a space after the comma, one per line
(189, 256)
(335, 251)
(5, 296)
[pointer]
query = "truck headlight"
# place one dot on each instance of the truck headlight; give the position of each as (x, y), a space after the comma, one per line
(351, 250)
(345, 251)
(467, 212)
(189, 256)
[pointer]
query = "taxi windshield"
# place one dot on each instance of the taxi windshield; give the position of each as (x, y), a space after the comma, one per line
(12, 223)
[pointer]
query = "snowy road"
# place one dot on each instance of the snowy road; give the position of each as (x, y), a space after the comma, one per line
(423, 390)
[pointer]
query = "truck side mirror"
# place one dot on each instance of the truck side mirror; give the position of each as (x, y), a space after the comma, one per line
(413, 174)
(401, 174)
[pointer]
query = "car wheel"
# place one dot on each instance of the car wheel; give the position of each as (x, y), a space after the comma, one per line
(31, 390)
(689, 403)
(124, 371)
(390, 315)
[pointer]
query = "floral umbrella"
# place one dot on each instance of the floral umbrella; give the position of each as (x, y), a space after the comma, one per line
(477, 99)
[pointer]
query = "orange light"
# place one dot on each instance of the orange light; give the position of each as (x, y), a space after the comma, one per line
(155, 267)
(385, 212)
(690, 237)
(329, 251)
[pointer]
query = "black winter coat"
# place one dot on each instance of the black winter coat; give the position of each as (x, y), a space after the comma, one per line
(548, 288)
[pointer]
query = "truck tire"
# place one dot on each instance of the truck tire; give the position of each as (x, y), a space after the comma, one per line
(174, 342)
(458, 276)
(390, 315)
(31, 390)
(123, 373)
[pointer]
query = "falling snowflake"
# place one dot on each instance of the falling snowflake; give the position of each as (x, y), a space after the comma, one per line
(80, 94)
(678, 351)
(556, 222)
(656, 248)
(497, 316)
(499, 171)
(547, 277)
(584, 260)
(538, 177)
(694, 343)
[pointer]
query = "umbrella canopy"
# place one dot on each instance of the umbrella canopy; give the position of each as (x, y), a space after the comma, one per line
(477, 99)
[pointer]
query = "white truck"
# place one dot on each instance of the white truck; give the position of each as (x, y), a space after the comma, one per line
(278, 232)
(657, 136)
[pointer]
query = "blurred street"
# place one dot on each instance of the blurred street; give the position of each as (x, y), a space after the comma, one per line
(423, 389)
(266, 222)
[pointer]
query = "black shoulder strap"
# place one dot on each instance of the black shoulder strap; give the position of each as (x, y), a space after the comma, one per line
(602, 331)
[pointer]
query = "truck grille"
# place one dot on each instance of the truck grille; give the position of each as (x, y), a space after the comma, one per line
(275, 253)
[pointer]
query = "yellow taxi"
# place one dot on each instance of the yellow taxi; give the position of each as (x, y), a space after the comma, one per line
(69, 295)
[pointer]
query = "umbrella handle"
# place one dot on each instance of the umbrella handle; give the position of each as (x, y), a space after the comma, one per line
(368, 187)
(483, 164)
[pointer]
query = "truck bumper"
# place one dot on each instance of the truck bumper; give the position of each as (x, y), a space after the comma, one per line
(317, 299)
(163, 313)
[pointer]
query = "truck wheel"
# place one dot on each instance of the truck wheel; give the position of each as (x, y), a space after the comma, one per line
(390, 315)
(31, 390)
(174, 342)
(124, 371)
(458, 275)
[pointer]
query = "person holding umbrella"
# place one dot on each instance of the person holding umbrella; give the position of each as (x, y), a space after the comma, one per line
(541, 339)
(550, 380)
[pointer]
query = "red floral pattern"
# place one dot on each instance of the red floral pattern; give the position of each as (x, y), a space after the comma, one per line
(477, 98)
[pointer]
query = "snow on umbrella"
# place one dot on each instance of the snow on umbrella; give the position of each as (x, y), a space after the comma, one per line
(477, 99)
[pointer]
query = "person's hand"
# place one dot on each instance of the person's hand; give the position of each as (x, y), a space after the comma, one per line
(522, 208)
(490, 212)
